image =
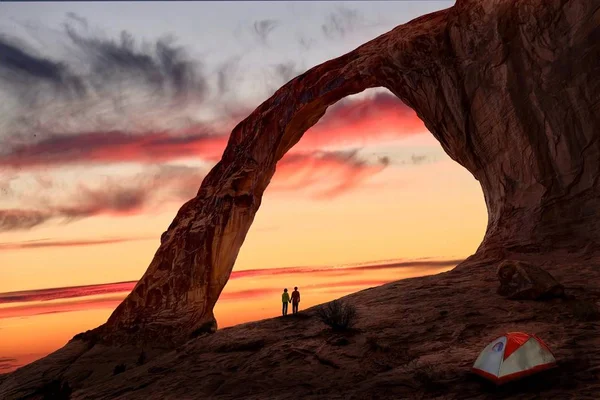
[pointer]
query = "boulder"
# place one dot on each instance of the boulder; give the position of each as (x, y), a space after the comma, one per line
(523, 281)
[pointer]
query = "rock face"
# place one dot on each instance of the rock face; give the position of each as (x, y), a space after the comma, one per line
(511, 90)
(524, 281)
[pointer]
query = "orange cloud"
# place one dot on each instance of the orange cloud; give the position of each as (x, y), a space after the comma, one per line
(65, 292)
(116, 147)
(108, 295)
(319, 173)
(382, 117)
(64, 243)
(334, 172)
(7, 364)
(328, 270)
(52, 307)
(248, 294)
(369, 120)
(322, 174)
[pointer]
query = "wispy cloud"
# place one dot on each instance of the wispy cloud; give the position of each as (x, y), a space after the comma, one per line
(45, 243)
(318, 174)
(19, 68)
(330, 173)
(285, 72)
(263, 28)
(53, 300)
(344, 21)
(321, 174)
(42, 295)
(71, 304)
(361, 122)
(104, 101)
(305, 42)
(8, 364)
(225, 71)
(108, 196)
(16, 219)
(99, 65)
(94, 83)
(89, 82)
(114, 147)
(425, 264)
(65, 292)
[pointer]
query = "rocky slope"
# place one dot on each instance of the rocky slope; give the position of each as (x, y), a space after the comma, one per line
(511, 90)
(415, 339)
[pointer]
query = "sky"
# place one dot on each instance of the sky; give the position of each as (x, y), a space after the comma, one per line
(113, 113)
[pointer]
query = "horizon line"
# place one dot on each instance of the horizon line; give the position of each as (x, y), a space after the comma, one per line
(5, 297)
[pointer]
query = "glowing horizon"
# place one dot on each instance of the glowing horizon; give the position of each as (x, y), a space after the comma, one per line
(92, 304)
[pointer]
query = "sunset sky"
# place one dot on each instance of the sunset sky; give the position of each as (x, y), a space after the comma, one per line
(113, 113)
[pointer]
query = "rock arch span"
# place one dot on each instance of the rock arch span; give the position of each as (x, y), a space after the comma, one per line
(510, 89)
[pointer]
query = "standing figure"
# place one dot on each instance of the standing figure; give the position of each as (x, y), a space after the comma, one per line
(295, 300)
(285, 299)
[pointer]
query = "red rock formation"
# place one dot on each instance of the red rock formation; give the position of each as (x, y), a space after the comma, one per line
(509, 88)
(524, 281)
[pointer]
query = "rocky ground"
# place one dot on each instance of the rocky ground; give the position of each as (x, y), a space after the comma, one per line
(415, 339)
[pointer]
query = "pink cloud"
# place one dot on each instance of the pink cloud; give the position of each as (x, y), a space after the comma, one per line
(370, 120)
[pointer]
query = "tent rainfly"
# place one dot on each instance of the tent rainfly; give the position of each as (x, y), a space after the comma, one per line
(513, 356)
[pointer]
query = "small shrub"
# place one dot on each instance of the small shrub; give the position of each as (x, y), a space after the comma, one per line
(120, 368)
(56, 390)
(142, 358)
(338, 314)
(585, 310)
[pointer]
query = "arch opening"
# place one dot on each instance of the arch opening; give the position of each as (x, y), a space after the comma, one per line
(198, 251)
(369, 155)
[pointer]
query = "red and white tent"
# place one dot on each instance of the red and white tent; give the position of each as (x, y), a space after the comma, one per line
(513, 356)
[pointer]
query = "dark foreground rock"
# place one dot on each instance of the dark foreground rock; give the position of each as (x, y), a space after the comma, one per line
(523, 281)
(414, 339)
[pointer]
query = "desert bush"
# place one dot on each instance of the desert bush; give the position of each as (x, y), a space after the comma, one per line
(338, 314)
(585, 310)
(56, 390)
(120, 368)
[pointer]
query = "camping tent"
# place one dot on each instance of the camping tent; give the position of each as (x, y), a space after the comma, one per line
(513, 356)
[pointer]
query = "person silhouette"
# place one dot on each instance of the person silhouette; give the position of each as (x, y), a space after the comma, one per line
(295, 300)
(285, 299)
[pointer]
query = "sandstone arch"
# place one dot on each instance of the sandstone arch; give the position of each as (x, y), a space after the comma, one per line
(511, 90)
